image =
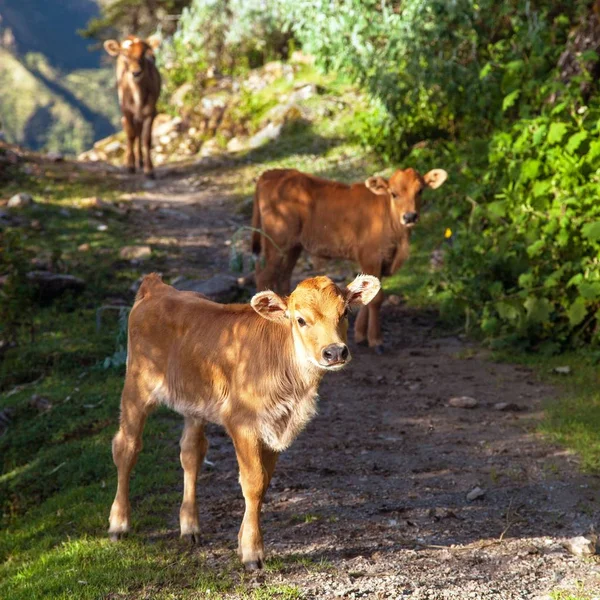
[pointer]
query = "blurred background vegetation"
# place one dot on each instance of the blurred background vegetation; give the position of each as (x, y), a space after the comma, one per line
(504, 96)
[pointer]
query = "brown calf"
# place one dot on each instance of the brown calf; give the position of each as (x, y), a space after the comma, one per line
(366, 222)
(254, 369)
(138, 85)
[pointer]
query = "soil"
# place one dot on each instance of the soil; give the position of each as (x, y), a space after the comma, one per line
(371, 499)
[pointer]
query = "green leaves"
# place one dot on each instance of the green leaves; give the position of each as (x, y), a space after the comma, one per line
(556, 132)
(577, 312)
(576, 140)
(591, 231)
(510, 99)
(538, 309)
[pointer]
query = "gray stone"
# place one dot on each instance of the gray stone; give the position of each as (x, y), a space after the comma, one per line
(475, 493)
(463, 402)
(563, 370)
(271, 132)
(135, 252)
(507, 407)
(20, 200)
(581, 545)
(220, 288)
(51, 285)
(55, 156)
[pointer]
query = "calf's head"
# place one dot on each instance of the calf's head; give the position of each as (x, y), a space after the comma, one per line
(317, 314)
(404, 188)
(134, 52)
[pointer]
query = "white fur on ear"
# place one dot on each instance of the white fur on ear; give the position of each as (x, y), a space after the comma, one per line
(378, 185)
(435, 178)
(269, 306)
(112, 47)
(362, 290)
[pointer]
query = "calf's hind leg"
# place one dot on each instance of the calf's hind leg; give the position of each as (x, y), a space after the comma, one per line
(126, 447)
(193, 450)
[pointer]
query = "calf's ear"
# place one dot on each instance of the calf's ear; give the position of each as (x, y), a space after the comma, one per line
(154, 41)
(112, 47)
(362, 290)
(269, 306)
(435, 178)
(378, 185)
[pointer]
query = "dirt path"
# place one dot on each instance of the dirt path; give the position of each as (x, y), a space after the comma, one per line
(370, 501)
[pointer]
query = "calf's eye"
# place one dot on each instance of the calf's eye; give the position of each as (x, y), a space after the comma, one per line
(301, 321)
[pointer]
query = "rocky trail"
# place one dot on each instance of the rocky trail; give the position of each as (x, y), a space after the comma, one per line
(400, 487)
(378, 497)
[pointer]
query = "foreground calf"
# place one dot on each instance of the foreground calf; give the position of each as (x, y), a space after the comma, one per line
(254, 369)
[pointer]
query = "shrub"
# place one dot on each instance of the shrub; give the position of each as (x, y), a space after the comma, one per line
(230, 35)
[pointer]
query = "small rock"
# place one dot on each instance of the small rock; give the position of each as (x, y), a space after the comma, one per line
(135, 252)
(581, 545)
(178, 96)
(149, 184)
(55, 156)
(50, 285)
(267, 134)
(235, 145)
(507, 407)
(166, 127)
(64, 212)
(40, 403)
(102, 227)
(475, 493)
(113, 147)
(20, 200)
(35, 224)
(221, 288)
(84, 247)
(463, 402)
(562, 370)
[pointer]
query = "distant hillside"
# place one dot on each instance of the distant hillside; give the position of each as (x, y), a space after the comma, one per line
(50, 28)
(54, 92)
(41, 108)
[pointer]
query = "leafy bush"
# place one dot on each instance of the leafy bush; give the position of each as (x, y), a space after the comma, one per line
(230, 35)
(528, 265)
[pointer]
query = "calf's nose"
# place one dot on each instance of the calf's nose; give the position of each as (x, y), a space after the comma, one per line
(335, 353)
(411, 217)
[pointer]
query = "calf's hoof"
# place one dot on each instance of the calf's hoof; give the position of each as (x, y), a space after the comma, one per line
(379, 349)
(131, 170)
(362, 342)
(149, 175)
(115, 536)
(193, 539)
(253, 565)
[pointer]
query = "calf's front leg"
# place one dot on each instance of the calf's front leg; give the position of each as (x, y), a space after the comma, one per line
(257, 464)
(146, 145)
(130, 134)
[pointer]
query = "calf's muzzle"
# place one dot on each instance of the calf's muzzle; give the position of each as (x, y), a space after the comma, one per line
(335, 354)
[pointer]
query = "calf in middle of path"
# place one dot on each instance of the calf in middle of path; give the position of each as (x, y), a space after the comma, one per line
(366, 222)
(138, 86)
(255, 369)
